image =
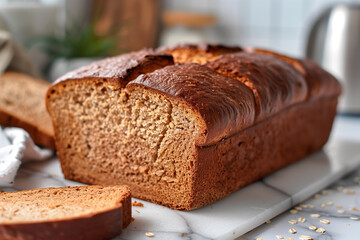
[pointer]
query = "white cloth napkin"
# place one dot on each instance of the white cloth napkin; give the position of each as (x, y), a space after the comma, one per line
(16, 146)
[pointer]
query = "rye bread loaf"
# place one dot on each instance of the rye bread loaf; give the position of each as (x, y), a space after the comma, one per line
(88, 212)
(22, 104)
(207, 122)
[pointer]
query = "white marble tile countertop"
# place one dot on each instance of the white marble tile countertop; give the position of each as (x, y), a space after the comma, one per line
(331, 213)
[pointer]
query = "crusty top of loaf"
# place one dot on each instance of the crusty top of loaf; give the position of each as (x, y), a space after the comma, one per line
(290, 60)
(231, 88)
(197, 53)
(276, 84)
(122, 68)
(205, 47)
(320, 83)
(225, 104)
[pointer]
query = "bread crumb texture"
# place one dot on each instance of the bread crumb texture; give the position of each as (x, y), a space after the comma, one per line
(127, 135)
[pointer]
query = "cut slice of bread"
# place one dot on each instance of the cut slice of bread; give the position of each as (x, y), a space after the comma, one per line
(87, 212)
(22, 104)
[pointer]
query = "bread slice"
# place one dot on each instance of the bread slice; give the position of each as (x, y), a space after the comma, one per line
(87, 212)
(22, 104)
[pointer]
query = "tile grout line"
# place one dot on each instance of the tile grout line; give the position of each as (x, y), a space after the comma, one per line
(278, 190)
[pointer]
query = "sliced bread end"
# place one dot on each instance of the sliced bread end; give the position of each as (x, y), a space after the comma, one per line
(22, 104)
(87, 212)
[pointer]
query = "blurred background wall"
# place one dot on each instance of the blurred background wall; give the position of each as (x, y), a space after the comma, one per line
(280, 25)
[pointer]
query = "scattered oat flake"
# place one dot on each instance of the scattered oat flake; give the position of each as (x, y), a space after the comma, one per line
(322, 205)
(289, 239)
(325, 192)
(304, 237)
(312, 228)
(354, 218)
(311, 206)
(293, 211)
(292, 231)
(325, 221)
(354, 209)
(137, 204)
(292, 221)
(302, 220)
(341, 211)
(272, 226)
(349, 191)
(268, 221)
(317, 196)
(340, 189)
(299, 208)
(315, 215)
(320, 230)
(329, 203)
(338, 206)
(259, 238)
(137, 211)
(149, 234)
(279, 237)
(347, 224)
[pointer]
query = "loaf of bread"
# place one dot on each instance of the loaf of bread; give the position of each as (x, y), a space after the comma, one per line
(185, 126)
(89, 212)
(22, 104)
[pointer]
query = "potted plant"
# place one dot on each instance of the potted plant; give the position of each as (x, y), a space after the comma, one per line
(79, 46)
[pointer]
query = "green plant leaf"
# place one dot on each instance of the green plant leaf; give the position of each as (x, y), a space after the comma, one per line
(79, 42)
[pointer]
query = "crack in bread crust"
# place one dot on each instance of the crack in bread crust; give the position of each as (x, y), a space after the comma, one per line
(164, 132)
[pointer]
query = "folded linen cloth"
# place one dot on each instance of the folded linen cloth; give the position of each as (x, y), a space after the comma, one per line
(16, 146)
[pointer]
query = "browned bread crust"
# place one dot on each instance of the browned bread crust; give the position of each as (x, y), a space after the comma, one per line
(320, 83)
(201, 48)
(275, 83)
(188, 134)
(197, 53)
(22, 105)
(122, 68)
(104, 223)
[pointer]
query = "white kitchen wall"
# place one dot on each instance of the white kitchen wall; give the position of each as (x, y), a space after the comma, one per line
(280, 25)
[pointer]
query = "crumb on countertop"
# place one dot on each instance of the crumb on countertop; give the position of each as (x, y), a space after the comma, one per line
(137, 204)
